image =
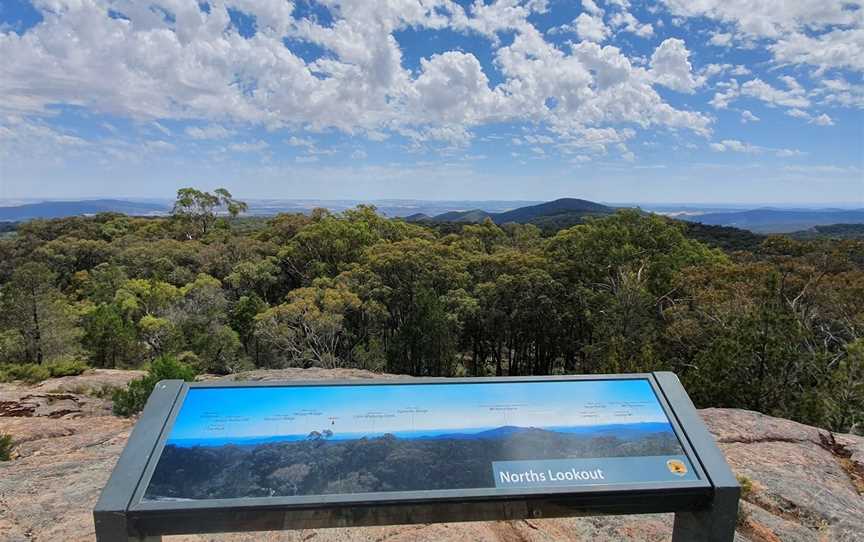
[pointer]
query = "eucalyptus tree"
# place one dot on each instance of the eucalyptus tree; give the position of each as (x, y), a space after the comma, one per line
(198, 210)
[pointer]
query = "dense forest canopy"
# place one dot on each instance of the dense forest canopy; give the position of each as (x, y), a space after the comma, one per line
(772, 324)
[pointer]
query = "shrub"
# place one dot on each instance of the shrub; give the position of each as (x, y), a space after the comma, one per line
(67, 367)
(28, 372)
(746, 490)
(33, 373)
(5, 447)
(131, 400)
(746, 486)
(11, 345)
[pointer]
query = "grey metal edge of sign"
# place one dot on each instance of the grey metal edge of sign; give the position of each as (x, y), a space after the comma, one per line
(704, 510)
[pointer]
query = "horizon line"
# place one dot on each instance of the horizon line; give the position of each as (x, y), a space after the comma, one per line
(17, 201)
(444, 431)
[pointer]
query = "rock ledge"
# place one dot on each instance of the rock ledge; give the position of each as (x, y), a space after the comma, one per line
(804, 483)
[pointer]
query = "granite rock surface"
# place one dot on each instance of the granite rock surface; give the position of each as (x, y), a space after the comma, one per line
(804, 484)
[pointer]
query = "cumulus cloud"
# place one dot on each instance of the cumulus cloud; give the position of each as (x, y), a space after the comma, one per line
(720, 39)
(835, 49)
(841, 92)
(747, 116)
(759, 89)
(793, 85)
(591, 7)
(713, 70)
(159, 145)
(766, 19)
(626, 22)
(596, 140)
(17, 133)
(590, 28)
(670, 66)
(539, 139)
(453, 87)
(249, 146)
(823, 120)
(295, 141)
(728, 91)
(591, 85)
(173, 60)
(211, 131)
(734, 145)
(821, 33)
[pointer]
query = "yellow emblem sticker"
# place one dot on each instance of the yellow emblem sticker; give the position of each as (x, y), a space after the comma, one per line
(677, 467)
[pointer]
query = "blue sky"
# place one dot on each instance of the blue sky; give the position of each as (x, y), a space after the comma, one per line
(273, 411)
(715, 101)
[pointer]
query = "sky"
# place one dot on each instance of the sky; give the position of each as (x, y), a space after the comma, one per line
(273, 411)
(709, 101)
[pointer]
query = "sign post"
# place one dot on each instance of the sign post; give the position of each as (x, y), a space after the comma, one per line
(227, 457)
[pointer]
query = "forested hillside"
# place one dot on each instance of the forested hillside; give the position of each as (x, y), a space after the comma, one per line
(775, 327)
(833, 231)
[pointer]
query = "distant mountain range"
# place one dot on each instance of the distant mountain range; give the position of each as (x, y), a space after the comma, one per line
(315, 466)
(18, 211)
(779, 220)
(557, 214)
(62, 209)
(622, 431)
(566, 212)
(552, 215)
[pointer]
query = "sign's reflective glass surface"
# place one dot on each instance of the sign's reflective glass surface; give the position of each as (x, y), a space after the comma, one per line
(324, 440)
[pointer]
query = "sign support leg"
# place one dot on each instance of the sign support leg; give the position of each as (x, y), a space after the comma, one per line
(715, 524)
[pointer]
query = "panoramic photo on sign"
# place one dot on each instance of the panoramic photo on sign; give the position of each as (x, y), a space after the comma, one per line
(230, 442)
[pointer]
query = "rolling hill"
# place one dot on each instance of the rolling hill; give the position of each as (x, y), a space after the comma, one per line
(474, 215)
(723, 237)
(418, 217)
(557, 214)
(833, 231)
(563, 206)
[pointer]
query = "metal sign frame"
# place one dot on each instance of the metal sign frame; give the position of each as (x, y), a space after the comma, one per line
(705, 509)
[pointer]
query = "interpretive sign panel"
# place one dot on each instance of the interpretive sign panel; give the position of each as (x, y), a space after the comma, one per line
(315, 454)
(324, 440)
